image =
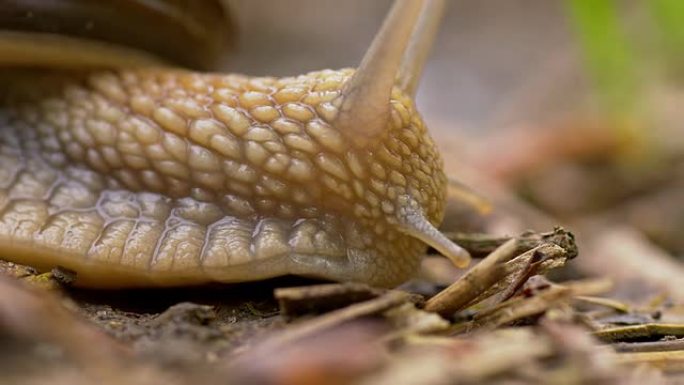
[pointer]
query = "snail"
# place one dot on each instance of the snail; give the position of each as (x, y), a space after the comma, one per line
(132, 172)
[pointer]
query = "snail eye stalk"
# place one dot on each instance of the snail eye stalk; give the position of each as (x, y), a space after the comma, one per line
(396, 57)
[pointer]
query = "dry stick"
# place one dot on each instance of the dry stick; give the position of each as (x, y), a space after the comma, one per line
(605, 302)
(625, 256)
(521, 307)
(550, 256)
(494, 274)
(639, 331)
(480, 245)
(518, 308)
(657, 346)
(294, 301)
(530, 268)
(327, 321)
(477, 280)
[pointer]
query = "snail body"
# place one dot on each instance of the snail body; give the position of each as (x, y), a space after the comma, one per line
(138, 176)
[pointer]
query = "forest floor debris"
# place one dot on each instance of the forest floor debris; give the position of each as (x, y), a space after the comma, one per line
(502, 319)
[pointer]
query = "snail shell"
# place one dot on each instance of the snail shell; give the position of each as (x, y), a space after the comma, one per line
(139, 175)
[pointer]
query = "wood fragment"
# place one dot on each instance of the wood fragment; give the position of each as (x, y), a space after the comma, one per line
(521, 307)
(651, 331)
(473, 283)
(605, 302)
(494, 274)
(657, 346)
(530, 268)
(590, 286)
(317, 299)
(480, 245)
(15, 270)
(334, 318)
(548, 257)
(63, 276)
(407, 320)
(56, 279)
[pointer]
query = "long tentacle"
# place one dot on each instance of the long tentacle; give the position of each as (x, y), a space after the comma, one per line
(420, 45)
(364, 109)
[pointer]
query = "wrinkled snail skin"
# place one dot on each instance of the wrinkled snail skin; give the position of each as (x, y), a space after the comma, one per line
(191, 177)
(160, 177)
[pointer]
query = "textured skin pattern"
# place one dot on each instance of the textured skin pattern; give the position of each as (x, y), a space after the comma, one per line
(153, 177)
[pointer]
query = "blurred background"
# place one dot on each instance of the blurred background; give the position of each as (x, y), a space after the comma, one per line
(486, 54)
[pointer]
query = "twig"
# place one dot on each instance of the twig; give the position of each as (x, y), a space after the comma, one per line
(530, 269)
(480, 245)
(589, 287)
(499, 271)
(632, 332)
(328, 320)
(294, 301)
(657, 346)
(522, 307)
(605, 302)
(474, 282)
(550, 256)
(518, 308)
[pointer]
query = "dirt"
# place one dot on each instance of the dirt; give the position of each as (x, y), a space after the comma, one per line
(170, 327)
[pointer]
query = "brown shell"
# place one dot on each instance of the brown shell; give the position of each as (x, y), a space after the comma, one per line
(158, 27)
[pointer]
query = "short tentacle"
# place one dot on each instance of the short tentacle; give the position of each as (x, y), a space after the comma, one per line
(414, 223)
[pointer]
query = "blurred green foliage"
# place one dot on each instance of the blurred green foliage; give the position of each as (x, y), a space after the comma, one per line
(669, 19)
(607, 51)
(625, 44)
